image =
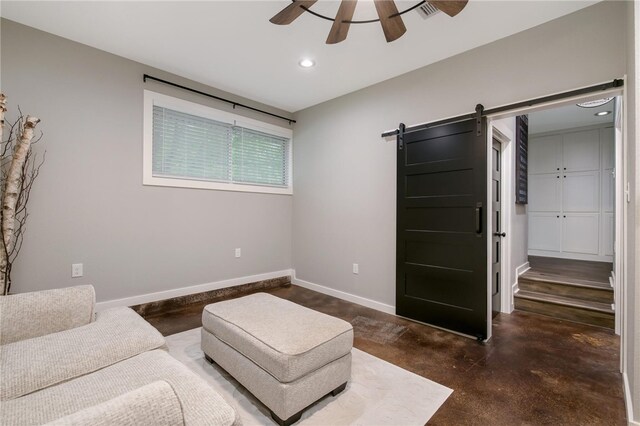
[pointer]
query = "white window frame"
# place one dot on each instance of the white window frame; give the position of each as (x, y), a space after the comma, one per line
(152, 99)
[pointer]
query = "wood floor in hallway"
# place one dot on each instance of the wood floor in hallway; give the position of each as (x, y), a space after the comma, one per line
(572, 270)
(535, 370)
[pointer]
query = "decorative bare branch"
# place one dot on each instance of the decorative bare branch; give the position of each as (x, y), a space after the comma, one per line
(19, 168)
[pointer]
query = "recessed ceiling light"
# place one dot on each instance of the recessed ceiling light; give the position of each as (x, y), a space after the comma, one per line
(594, 104)
(601, 113)
(306, 63)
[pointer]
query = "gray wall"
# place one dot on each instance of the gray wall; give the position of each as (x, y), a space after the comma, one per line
(520, 240)
(344, 207)
(89, 204)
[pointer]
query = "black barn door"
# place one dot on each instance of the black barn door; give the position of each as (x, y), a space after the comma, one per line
(441, 265)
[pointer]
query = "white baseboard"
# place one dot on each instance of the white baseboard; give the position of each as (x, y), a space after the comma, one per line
(522, 268)
(344, 296)
(628, 402)
(519, 271)
(194, 289)
(514, 286)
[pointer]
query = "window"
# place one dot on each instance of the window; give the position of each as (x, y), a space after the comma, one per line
(194, 146)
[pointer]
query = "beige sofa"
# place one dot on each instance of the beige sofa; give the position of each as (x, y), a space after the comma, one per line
(60, 363)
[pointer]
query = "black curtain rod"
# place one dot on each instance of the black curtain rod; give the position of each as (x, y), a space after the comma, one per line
(591, 89)
(146, 77)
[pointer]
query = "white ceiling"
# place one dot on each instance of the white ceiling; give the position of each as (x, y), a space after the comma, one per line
(568, 117)
(232, 45)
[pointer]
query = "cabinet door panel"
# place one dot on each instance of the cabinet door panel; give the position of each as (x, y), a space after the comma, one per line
(580, 233)
(545, 154)
(608, 188)
(544, 193)
(607, 234)
(581, 151)
(580, 192)
(545, 231)
(607, 145)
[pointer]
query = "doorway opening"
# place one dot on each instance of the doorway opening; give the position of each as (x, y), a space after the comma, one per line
(560, 256)
(456, 257)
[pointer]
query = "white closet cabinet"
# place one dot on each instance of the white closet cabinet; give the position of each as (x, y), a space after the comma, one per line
(581, 151)
(545, 193)
(571, 202)
(545, 156)
(548, 231)
(580, 233)
(580, 191)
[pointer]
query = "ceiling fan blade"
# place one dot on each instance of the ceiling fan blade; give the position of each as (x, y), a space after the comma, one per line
(340, 29)
(393, 27)
(291, 12)
(450, 7)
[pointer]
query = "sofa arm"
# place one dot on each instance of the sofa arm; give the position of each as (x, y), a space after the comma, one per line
(154, 404)
(33, 364)
(27, 315)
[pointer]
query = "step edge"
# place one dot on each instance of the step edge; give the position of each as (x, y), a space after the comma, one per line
(534, 297)
(606, 297)
(584, 284)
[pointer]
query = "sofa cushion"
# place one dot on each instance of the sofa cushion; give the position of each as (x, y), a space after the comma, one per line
(155, 404)
(201, 405)
(285, 339)
(28, 315)
(117, 334)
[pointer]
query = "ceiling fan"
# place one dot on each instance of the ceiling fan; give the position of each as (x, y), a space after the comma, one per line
(389, 17)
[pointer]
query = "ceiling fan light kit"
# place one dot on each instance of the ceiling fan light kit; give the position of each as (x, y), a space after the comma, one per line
(390, 19)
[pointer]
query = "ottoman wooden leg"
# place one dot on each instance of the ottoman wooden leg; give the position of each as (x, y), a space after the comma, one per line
(339, 389)
(209, 359)
(291, 420)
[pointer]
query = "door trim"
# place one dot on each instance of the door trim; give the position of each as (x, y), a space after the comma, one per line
(621, 208)
(500, 132)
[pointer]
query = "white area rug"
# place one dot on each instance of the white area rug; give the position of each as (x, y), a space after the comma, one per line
(379, 393)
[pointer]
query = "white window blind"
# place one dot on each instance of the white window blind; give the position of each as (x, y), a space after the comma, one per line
(192, 147)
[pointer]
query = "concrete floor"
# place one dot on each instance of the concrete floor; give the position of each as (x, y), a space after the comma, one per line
(535, 369)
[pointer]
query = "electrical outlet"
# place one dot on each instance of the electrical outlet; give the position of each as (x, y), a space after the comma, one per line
(238, 252)
(76, 270)
(355, 268)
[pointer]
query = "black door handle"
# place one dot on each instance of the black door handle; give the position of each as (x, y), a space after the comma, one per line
(479, 218)
(500, 234)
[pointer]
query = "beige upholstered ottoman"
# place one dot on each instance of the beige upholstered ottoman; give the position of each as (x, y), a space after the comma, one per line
(286, 355)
